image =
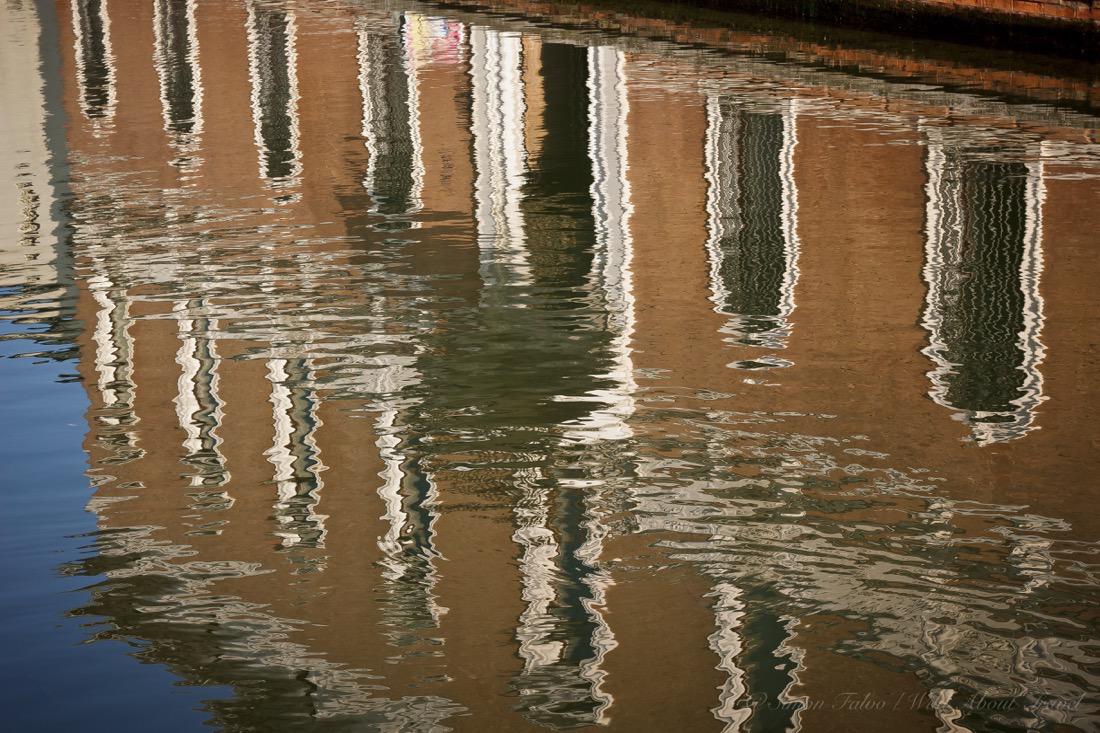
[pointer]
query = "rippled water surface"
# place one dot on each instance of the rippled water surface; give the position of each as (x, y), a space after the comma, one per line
(412, 367)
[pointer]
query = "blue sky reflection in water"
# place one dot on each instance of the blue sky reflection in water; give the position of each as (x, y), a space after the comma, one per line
(403, 367)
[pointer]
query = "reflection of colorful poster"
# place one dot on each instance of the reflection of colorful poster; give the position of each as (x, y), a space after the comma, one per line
(434, 40)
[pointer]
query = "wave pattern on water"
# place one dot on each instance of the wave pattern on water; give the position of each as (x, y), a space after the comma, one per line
(449, 372)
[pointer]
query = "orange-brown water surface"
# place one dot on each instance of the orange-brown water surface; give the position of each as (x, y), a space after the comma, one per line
(412, 367)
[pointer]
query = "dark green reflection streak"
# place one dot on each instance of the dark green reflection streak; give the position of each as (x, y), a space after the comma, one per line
(985, 312)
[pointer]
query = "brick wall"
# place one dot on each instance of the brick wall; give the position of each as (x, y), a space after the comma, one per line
(1078, 10)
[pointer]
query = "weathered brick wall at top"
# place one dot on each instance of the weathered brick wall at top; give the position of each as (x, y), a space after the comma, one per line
(1076, 10)
(1053, 27)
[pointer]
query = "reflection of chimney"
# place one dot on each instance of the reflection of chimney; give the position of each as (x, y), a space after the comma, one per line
(983, 309)
(752, 207)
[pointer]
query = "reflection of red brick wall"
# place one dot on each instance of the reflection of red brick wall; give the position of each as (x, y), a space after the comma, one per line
(1087, 10)
(1039, 83)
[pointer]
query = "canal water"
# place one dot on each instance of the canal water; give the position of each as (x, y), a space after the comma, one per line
(411, 367)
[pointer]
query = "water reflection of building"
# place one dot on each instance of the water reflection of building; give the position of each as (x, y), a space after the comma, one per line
(227, 442)
(564, 634)
(752, 204)
(984, 311)
(199, 405)
(414, 474)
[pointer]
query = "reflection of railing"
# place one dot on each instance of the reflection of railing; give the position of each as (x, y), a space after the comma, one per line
(752, 208)
(983, 310)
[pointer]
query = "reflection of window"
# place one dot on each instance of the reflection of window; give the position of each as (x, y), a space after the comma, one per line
(295, 454)
(410, 496)
(177, 65)
(198, 404)
(94, 61)
(500, 155)
(114, 346)
(752, 212)
(273, 63)
(983, 259)
(391, 120)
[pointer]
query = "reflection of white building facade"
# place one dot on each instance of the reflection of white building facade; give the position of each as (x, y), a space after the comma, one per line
(983, 262)
(563, 633)
(30, 258)
(752, 219)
